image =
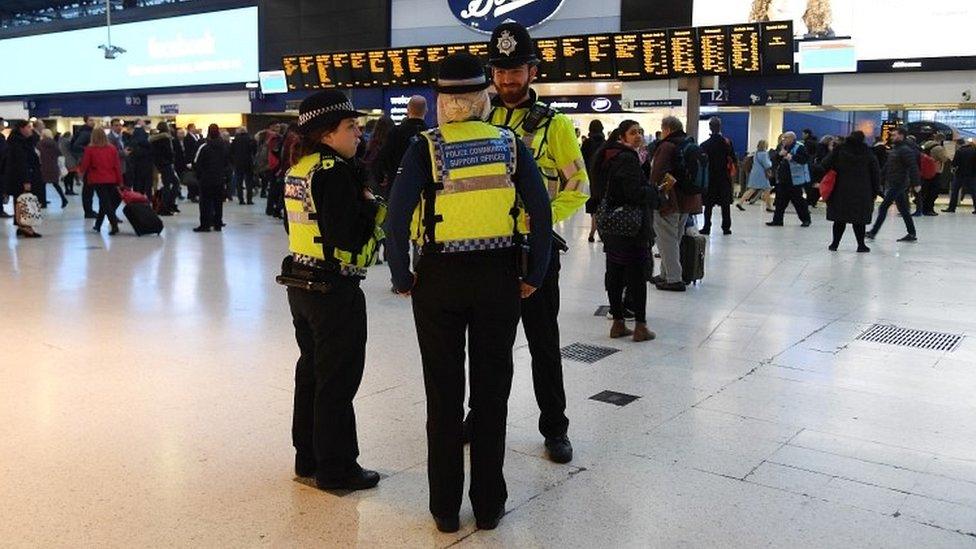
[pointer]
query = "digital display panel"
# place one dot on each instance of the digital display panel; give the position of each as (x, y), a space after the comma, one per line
(292, 74)
(777, 47)
(627, 54)
(572, 49)
(550, 62)
(713, 43)
(655, 51)
(683, 59)
(744, 50)
(600, 51)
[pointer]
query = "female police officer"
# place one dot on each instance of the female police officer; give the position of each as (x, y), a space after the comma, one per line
(333, 224)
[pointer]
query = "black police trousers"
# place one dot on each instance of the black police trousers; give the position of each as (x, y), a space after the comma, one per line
(331, 333)
(473, 296)
(540, 320)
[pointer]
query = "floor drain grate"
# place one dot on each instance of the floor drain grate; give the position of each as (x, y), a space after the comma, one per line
(581, 352)
(907, 337)
(615, 398)
(602, 310)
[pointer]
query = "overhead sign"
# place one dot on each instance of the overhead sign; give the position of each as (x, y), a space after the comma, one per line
(739, 50)
(584, 104)
(656, 103)
(485, 15)
(169, 109)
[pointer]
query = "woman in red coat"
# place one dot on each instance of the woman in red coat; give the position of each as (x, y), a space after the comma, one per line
(104, 173)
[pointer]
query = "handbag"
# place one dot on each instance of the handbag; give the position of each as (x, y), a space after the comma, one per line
(27, 211)
(827, 184)
(624, 220)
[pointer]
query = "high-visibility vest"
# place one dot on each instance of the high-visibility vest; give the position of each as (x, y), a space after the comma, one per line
(304, 236)
(470, 203)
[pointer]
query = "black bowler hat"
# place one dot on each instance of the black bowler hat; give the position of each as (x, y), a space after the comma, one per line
(511, 46)
(461, 73)
(325, 108)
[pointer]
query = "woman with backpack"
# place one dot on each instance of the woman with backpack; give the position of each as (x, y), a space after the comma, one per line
(617, 166)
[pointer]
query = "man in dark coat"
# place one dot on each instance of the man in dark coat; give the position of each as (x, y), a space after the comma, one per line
(399, 139)
(212, 165)
(964, 181)
(191, 142)
(901, 172)
(858, 183)
(3, 183)
(719, 150)
(242, 151)
(81, 140)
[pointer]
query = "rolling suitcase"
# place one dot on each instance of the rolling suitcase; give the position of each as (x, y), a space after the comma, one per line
(143, 219)
(692, 258)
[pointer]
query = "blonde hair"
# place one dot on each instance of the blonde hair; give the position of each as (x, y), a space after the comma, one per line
(760, 11)
(98, 137)
(818, 16)
(762, 146)
(462, 106)
(47, 134)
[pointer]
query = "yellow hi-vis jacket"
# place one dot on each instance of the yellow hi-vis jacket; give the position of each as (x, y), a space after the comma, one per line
(470, 204)
(556, 151)
(304, 235)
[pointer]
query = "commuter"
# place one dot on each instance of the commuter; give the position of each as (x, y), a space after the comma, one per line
(3, 184)
(333, 226)
(164, 157)
(183, 166)
(678, 202)
(212, 166)
(191, 142)
(49, 152)
(880, 150)
(819, 151)
(374, 173)
(140, 161)
(400, 138)
(70, 163)
(964, 179)
(593, 141)
(757, 180)
(792, 173)
(242, 151)
(22, 169)
(551, 137)
(467, 282)
(102, 169)
(858, 183)
(932, 187)
(289, 152)
(618, 168)
(265, 162)
(78, 143)
(274, 141)
(721, 155)
(116, 139)
(901, 172)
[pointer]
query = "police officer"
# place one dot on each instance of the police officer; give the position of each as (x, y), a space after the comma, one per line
(552, 138)
(456, 197)
(333, 227)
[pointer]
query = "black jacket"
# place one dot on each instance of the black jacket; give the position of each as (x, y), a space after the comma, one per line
(212, 163)
(625, 184)
(965, 161)
(719, 151)
(590, 145)
(858, 182)
(190, 146)
(81, 140)
(346, 219)
(242, 151)
(22, 165)
(397, 142)
(901, 169)
(162, 149)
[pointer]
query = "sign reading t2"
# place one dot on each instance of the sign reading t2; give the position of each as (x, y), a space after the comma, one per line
(485, 15)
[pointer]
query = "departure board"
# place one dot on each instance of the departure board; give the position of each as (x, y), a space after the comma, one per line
(599, 49)
(627, 56)
(744, 50)
(655, 52)
(739, 50)
(777, 47)
(550, 62)
(292, 73)
(713, 43)
(573, 51)
(323, 64)
(310, 73)
(684, 58)
(416, 67)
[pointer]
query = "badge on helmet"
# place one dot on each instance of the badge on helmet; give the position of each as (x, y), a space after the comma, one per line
(511, 46)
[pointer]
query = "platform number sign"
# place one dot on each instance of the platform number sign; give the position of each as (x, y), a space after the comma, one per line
(485, 15)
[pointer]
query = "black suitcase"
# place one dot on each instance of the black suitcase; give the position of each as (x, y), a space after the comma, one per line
(143, 219)
(692, 258)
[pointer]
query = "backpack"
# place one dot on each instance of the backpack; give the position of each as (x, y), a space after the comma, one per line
(927, 166)
(261, 159)
(691, 167)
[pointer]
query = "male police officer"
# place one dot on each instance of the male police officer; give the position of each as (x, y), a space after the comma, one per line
(552, 138)
(456, 197)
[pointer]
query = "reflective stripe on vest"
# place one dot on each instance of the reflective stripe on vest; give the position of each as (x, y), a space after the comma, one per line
(469, 205)
(538, 142)
(304, 236)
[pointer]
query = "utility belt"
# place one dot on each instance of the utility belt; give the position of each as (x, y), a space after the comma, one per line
(312, 279)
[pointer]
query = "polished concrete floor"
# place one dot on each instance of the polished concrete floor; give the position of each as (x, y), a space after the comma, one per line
(146, 393)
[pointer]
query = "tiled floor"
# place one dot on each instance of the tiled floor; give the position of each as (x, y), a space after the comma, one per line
(145, 399)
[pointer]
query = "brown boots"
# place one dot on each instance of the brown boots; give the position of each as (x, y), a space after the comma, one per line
(640, 331)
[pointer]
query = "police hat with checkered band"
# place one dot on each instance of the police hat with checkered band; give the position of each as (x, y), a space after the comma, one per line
(461, 73)
(511, 47)
(324, 109)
